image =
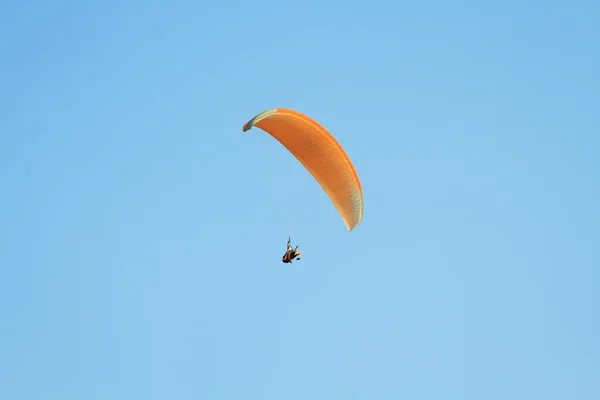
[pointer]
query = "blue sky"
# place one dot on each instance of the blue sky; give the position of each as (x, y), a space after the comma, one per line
(141, 231)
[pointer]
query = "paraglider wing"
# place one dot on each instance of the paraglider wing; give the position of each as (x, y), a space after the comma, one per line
(320, 154)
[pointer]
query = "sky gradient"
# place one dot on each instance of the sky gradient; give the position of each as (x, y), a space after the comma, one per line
(141, 232)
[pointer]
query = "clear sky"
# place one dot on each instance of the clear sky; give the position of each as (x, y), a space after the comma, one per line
(141, 232)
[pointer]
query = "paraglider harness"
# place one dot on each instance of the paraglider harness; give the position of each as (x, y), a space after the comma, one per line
(291, 253)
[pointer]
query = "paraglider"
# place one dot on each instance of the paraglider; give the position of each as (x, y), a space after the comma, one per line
(291, 253)
(320, 153)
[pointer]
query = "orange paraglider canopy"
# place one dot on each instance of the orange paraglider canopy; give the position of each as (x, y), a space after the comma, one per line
(320, 154)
